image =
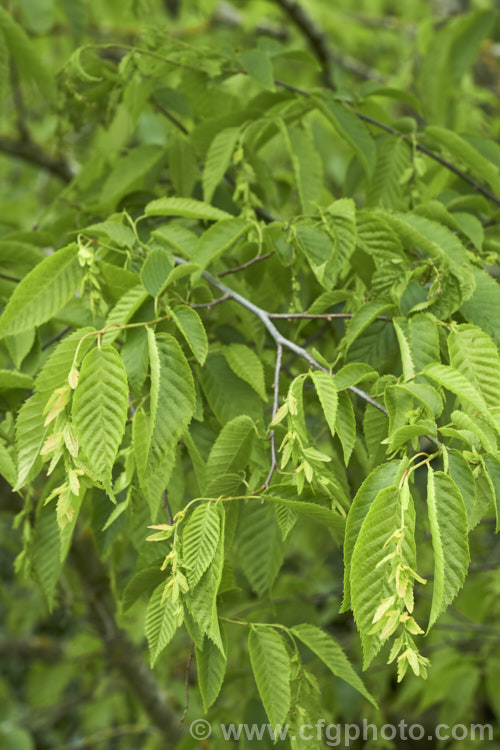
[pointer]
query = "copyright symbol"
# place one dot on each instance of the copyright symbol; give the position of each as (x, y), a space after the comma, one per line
(200, 729)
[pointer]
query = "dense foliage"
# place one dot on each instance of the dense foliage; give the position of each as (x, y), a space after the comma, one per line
(249, 367)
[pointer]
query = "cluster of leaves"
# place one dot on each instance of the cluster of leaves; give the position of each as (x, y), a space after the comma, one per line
(341, 389)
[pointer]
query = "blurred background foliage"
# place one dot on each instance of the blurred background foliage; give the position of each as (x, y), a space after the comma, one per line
(68, 115)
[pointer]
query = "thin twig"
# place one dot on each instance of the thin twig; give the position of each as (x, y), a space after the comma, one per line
(186, 700)
(178, 124)
(246, 265)
(276, 386)
(9, 278)
(263, 315)
(320, 316)
(56, 338)
(209, 305)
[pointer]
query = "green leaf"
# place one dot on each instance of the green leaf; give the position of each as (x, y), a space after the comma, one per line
(130, 173)
(424, 340)
(402, 332)
(260, 545)
(25, 55)
(363, 318)
(13, 379)
(369, 574)
(350, 129)
(353, 374)
(258, 66)
(199, 540)
(155, 271)
(345, 425)
(492, 465)
(328, 397)
(230, 452)
(393, 158)
(325, 516)
(306, 162)
(172, 404)
(380, 478)
(100, 406)
(211, 663)
(218, 160)
(42, 292)
(30, 430)
(218, 380)
(202, 600)
(272, 671)
(189, 324)
(187, 207)
(463, 477)
(459, 147)
(448, 523)
(123, 311)
(454, 381)
(332, 655)
(483, 307)
(474, 354)
(7, 466)
(245, 363)
(162, 620)
(216, 240)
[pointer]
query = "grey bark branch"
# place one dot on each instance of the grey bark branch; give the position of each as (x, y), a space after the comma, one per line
(121, 652)
(263, 316)
(33, 153)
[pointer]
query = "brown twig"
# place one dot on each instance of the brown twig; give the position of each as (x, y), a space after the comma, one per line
(246, 265)
(209, 305)
(186, 693)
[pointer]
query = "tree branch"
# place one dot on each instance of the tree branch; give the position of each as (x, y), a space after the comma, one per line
(119, 649)
(33, 153)
(246, 265)
(263, 315)
(319, 45)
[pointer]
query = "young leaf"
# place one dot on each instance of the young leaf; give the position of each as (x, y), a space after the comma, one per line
(155, 271)
(187, 207)
(332, 655)
(217, 239)
(380, 478)
(211, 663)
(123, 311)
(230, 452)
(100, 406)
(199, 540)
(369, 574)
(345, 425)
(448, 523)
(260, 546)
(172, 406)
(258, 66)
(42, 292)
(272, 670)
(245, 363)
(189, 324)
(352, 130)
(162, 620)
(328, 397)
(218, 160)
